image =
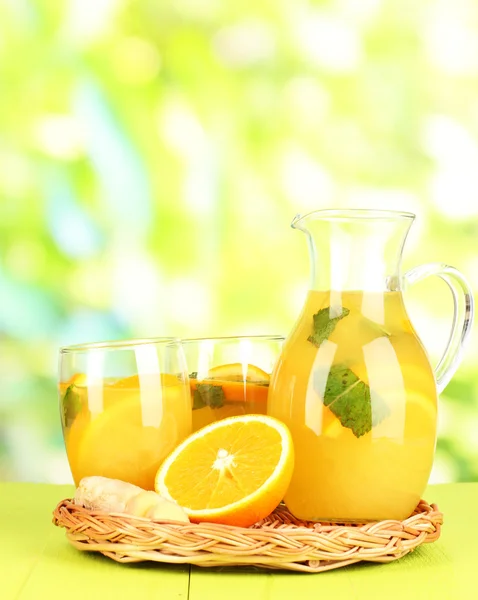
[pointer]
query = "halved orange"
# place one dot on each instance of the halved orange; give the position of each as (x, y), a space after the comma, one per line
(234, 471)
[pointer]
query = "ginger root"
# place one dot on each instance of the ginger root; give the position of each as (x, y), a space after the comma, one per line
(154, 506)
(115, 496)
(104, 494)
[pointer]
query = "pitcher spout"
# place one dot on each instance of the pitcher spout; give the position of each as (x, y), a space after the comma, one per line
(355, 248)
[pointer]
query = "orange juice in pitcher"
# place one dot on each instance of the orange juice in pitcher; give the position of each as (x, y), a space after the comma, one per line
(354, 383)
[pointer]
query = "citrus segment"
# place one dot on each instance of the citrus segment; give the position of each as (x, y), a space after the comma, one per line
(419, 414)
(239, 372)
(234, 471)
(116, 444)
(412, 415)
(136, 430)
(77, 379)
(237, 381)
(331, 426)
(236, 391)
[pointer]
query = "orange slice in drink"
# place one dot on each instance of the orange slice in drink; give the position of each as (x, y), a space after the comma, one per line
(136, 429)
(331, 426)
(239, 372)
(76, 379)
(234, 471)
(417, 418)
(237, 381)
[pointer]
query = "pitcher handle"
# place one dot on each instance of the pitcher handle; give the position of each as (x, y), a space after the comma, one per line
(463, 304)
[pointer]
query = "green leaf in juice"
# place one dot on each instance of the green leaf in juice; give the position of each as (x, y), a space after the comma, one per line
(207, 394)
(348, 397)
(324, 325)
(70, 404)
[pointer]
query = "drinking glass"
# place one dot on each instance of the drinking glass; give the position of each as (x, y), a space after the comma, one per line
(229, 375)
(124, 406)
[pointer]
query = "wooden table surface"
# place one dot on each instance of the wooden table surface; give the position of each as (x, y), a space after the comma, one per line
(37, 562)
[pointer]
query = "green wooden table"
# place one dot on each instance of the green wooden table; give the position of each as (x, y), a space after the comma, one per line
(37, 562)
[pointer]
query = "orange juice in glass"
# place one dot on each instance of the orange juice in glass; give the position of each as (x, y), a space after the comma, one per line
(124, 406)
(229, 375)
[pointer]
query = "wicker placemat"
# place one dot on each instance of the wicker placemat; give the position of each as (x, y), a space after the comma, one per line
(278, 542)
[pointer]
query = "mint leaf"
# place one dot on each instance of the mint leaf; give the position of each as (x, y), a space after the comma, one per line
(193, 375)
(348, 397)
(207, 394)
(323, 325)
(70, 405)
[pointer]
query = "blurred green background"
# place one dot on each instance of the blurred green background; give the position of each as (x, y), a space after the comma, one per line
(153, 154)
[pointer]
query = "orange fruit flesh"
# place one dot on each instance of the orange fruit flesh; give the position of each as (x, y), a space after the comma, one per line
(240, 383)
(234, 471)
(219, 487)
(236, 391)
(239, 372)
(78, 379)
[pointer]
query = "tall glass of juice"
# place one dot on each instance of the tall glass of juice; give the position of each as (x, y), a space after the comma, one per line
(124, 406)
(230, 375)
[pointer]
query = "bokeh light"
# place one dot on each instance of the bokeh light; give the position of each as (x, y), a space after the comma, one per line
(154, 154)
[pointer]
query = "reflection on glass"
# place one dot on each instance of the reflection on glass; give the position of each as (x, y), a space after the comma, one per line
(124, 407)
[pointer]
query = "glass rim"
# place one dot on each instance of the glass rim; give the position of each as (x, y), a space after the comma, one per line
(344, 214)
(230, 338)
(118, 344)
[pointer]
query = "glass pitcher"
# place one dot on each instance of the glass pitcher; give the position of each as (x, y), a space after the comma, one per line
(353, 382)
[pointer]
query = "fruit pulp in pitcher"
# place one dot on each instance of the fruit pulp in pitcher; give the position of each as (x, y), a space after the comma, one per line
(226, 391)
(124, 429)
(357, 391)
